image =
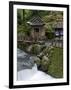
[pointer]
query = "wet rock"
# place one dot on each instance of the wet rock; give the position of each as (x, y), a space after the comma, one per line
(48, 44)
(36, 60)
(45, 63)
(45, 58)
(47, 55)
(45, 51)
(51, 47)
(24, 60)
(40, 55)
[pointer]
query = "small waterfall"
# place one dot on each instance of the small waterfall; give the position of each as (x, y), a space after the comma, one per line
(34, 68)
(26, 74)
(29, 74)
(33, 74)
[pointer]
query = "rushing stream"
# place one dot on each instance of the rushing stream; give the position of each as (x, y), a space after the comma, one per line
(26, 68)
(24, 60)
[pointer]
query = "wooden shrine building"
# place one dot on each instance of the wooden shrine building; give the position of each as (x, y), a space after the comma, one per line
(37, 28)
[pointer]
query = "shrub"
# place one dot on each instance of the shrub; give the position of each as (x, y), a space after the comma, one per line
(55, 68)
(50, 35)
(35, 49)
(22, 46)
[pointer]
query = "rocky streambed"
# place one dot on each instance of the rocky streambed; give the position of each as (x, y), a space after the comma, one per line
(27, 67)
(24, 60)
(39, 56)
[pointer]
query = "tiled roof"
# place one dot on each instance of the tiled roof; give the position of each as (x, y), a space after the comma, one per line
(36, 20)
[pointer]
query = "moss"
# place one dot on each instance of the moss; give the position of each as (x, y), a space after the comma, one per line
(49, 59)
(53, 64)
(56, 66)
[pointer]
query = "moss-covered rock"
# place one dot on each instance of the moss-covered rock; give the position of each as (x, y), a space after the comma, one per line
(37, 61)
(45, 51)
(40, 55)
(45, 63)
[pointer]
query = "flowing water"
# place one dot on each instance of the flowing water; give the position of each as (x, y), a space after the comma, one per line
(24, 60)
(26, 68)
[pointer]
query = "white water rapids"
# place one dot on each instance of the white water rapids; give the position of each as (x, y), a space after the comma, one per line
(27, 70)
(33, 74)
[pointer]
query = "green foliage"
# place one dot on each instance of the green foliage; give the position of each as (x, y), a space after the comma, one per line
(23, 29)
(23, 15)
(50, 35)
(20, 28)
(23, 46)
(35, 49)
(48, 50)
(53, 16)
(52, 61)
(56, 66)
(53, 66)
(19, 19)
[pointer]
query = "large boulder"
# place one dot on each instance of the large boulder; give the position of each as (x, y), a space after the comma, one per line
(40, 55)
(45, 58)
(45, 63)
(36, 60)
